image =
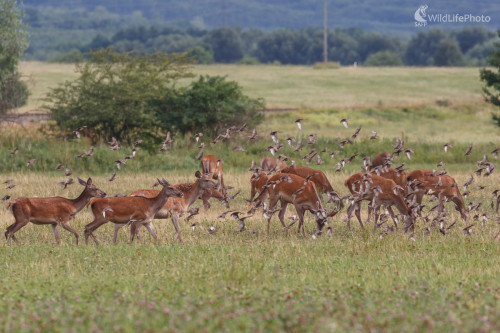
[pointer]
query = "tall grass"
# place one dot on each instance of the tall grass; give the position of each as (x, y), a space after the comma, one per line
(354, 280)
(307, 87)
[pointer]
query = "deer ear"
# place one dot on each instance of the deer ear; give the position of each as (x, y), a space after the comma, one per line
(89, 181)
(197, 174)
(164, 181)
(82, 182)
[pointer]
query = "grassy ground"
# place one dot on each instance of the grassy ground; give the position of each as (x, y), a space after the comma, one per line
(235, 281)
(354, 280)
(307, 87)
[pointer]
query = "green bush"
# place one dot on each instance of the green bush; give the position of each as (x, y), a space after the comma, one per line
(13, 93)
(113, 95)
(210, 105)
(384, 58)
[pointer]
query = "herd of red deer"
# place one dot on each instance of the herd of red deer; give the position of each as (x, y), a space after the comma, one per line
(300, 186)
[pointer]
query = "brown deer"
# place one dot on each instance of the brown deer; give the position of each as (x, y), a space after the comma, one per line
(379, 191)
(292, 189)
(272, 163)
(257, 182)
(175, 207)
(213, 166)
(316, 176)
(398, 177)
(129, 210)
(54, 210)
(206, 195)
(380, 160)
(443, 187)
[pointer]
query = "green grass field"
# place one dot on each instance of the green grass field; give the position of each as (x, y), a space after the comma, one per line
(353, 280)
(307, 87)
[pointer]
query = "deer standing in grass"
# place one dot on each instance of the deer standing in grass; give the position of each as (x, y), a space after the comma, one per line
(381, 159)
(174, 207)
(272, 163)
(213, 166)
(292, 189)
(443, 187)
(207, 195)
(257, 182)
(54, 210)
(379, 191)
(316, 176)
(134, 210)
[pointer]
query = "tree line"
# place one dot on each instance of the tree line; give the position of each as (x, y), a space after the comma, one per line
(469, 46)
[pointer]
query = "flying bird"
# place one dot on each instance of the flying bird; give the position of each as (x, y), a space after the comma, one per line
(197, 136)
(238, 148)
(446, 146)
(78, 131)
(374, 135)
(299, 124)
(344, 122)
(274, 137)
(200, 155)
(30, 162)
(67, 182)
(468, 151)
(110, 179)
(14, 151)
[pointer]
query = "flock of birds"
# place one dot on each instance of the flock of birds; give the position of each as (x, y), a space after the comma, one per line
(485, 168)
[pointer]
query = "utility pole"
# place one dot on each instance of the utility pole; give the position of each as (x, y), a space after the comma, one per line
(325, 34)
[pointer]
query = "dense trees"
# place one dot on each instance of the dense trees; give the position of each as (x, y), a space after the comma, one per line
(128, 96)
(435, 47)
(491, 77)
(13, 42)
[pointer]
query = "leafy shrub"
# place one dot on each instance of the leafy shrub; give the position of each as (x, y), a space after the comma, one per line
(210, 105)
(384, 58)
(112, 95)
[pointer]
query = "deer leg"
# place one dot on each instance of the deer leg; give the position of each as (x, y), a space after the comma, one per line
(394, 218)
(376, 213)
(282, 213)
(133, 231)
(151, 230)
(56, 233)
(272, 203)
(118, 226)
(65, 225)
(300, 215)
(357, 212)
(175, 221)
(14, 228)
(91, 227)
(205, 196)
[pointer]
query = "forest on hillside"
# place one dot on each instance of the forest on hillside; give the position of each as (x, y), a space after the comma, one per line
(285, 32)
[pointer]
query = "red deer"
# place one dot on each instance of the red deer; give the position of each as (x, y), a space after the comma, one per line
(290, 189)
(213, 166)
(257, 182)
(54, 210)
(206, 195)
(272, 163)
(441, 186)
(174, 207)
(317, 177)
(135, 210)
(380, 160)
(379, 191)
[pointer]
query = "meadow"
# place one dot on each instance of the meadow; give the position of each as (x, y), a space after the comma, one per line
(353, 280)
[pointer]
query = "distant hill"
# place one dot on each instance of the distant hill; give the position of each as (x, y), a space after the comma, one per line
(385, 16)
